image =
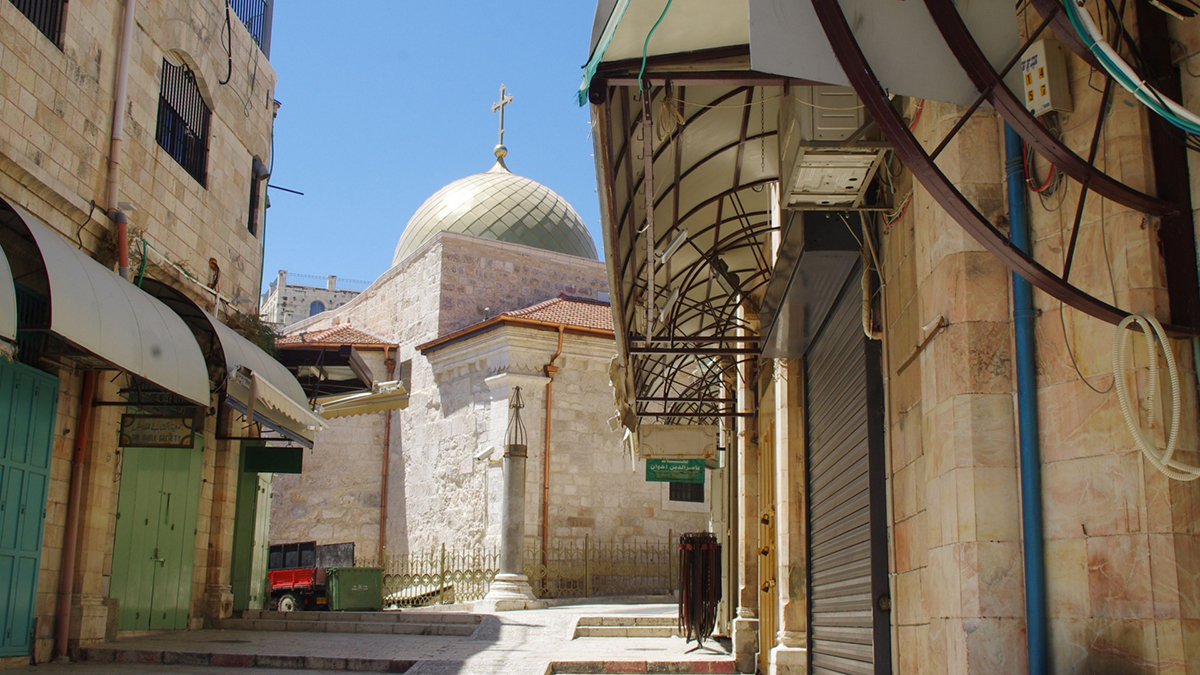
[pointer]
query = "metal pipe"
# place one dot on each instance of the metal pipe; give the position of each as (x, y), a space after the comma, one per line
(66, 572)
(387, 451)
(120, 96)
(1027, 417)
(551, 370)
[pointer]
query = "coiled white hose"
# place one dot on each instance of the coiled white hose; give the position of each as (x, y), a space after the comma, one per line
(1160, 459)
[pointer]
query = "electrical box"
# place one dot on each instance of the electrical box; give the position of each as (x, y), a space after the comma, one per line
(1044, 74)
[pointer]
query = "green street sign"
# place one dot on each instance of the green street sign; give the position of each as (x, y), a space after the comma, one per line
(675, 470)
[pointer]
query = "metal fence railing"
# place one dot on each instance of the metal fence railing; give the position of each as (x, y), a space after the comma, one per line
(587, 568)
(252, 13)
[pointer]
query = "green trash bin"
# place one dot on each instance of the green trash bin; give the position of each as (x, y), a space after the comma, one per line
(355, 588)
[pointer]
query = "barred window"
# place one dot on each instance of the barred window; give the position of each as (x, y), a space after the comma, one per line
(253, 14)
(47, 15)
(687, 492)
(183, 120)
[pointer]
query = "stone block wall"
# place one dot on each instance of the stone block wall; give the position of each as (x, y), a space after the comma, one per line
(56, 112)
(1121, 538)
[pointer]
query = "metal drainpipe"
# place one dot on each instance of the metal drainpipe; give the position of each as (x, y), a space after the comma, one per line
(387, 451)
(66, 573)
(1027, 416)
(118, 136)
(551, 370)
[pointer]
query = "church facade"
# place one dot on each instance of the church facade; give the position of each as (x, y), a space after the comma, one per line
(495, 285)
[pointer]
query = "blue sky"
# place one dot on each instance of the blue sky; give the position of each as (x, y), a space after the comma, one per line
(386, 101)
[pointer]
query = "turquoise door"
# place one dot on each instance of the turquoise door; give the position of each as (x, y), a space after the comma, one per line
(28, 400)
(154, 545)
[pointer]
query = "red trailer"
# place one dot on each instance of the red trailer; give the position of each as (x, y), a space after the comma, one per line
(296, 573)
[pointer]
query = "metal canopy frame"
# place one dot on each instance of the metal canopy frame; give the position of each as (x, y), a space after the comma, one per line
(913, 155)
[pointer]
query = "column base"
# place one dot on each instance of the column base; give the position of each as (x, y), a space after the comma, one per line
(218, 603)
(789, 660)
(509, 592)
(745, 644)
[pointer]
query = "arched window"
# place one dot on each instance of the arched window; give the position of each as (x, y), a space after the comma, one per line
(316, 308)
(183, 120)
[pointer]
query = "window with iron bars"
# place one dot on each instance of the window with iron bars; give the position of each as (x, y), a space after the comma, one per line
(47, 15)
(687, 492)
(252, 13)
(183, 119)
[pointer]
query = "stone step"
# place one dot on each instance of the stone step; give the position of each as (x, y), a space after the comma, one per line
(360, 617)
(627, 621)
(683, 667)
(342, 626)
(109, 654)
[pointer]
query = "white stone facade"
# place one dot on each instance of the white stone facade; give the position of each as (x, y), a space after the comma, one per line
(441, 489)
(284, 304)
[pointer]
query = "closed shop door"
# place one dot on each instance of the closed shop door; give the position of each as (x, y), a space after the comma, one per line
(155, 541)
(847, 539)
(28, 402)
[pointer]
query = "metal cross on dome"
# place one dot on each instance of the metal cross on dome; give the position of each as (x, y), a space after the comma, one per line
(505, 99)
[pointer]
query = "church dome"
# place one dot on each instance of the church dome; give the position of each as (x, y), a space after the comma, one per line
(500, 205)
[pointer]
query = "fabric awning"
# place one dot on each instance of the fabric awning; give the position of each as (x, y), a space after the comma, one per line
(106, 315)
(8, 301)
(383, 397)
(278, 401)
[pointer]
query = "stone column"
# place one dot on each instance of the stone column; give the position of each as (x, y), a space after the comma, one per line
(790, 655)
(511, 589)
(745, 626)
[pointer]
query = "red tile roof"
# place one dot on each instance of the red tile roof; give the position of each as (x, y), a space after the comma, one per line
(569, 310)
(345, 334)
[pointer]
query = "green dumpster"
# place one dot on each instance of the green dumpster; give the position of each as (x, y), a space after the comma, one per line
(355, 588)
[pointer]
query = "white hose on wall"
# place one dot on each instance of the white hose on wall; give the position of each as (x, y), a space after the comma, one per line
(1160, 459)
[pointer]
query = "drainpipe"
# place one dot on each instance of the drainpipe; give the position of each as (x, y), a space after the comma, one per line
(387, 451)
(551, 369)
(66, 574)
(118, 137)
(1027, 416)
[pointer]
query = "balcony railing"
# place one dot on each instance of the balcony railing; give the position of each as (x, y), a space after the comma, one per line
(256, 16)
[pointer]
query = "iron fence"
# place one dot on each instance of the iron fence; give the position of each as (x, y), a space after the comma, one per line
(572, 569)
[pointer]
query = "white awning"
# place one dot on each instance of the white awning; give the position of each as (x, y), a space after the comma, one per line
(99, 312)
(278, 401)
(384, 396)
(8, 301)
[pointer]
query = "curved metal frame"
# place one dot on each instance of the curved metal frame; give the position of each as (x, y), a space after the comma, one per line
(862, 77)
(989, 83)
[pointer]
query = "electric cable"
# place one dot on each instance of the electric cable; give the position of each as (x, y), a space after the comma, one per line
(1160, 458)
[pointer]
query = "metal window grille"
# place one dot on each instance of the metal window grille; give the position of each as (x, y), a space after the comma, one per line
(33, 317)
(687, 492)
(47, 15)
(183, 120)
(252, 14)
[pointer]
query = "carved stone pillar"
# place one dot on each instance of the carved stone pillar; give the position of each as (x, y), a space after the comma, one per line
(745, 626)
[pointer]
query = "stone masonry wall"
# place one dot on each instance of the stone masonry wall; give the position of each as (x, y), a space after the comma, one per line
(55, 117)
(1121, 549)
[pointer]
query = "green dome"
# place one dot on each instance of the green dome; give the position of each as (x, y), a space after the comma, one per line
(499, 205)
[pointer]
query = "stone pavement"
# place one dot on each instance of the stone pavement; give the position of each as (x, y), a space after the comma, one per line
(529, 642)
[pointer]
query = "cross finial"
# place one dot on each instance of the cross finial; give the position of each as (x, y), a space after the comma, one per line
(505, 99)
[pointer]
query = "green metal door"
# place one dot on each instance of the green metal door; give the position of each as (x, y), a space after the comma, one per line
(250, 527)
(28, 401)
(154, 545)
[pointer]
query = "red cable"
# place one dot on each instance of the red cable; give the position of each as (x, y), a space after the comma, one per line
(1029, 177)
(917, 115)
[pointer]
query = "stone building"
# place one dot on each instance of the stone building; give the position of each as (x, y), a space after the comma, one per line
(284, 304)
(127, 142)
(930, 468)
(494, 285)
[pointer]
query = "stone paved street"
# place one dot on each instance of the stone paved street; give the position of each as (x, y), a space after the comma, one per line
(512, 643)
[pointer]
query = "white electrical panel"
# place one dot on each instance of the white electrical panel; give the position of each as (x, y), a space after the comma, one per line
(1044, 73)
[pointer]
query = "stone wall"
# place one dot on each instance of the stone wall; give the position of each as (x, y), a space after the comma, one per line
(284, 304)
(56, 110)
(1121, 545)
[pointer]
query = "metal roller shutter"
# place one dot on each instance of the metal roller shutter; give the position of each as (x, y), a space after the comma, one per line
(844, 554)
